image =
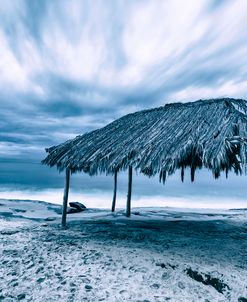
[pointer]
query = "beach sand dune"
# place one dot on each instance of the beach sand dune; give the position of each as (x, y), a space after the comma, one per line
(159, 254)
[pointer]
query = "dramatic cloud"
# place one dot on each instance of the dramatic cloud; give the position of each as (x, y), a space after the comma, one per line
(67, 67)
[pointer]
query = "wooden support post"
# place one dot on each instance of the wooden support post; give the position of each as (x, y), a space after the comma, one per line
(128, 205)
(65, 197)
(114, 193)
(192, 173)
(182, 173)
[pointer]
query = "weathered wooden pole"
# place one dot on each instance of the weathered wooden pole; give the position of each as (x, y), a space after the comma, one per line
(182, 173)
(128, 205)
(65, 197)
(114, 193)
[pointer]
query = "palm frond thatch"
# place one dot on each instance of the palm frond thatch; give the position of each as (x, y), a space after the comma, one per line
(205, 133)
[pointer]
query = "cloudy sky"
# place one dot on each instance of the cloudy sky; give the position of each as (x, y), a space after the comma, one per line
(70, 66)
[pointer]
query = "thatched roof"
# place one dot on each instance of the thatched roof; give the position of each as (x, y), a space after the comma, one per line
(205, 133)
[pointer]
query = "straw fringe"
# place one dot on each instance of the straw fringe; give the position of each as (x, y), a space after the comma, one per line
(206, 133)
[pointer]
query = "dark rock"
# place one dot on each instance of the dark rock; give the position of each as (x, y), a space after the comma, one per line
(88, 287)
(242, 299)
(206, 279)
(77, 205)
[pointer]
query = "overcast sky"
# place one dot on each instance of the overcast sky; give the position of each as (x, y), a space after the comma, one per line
(67, 67)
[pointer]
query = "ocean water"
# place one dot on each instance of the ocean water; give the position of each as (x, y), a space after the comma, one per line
(28, 179)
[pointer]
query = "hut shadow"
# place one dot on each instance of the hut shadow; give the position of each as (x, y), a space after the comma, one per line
(151, 233)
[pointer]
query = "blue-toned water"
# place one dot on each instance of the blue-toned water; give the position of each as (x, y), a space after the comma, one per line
(28, 179)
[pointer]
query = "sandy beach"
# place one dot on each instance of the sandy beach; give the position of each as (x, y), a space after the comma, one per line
(159, 254)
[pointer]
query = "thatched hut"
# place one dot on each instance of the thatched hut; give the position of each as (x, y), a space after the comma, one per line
(206, 133)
